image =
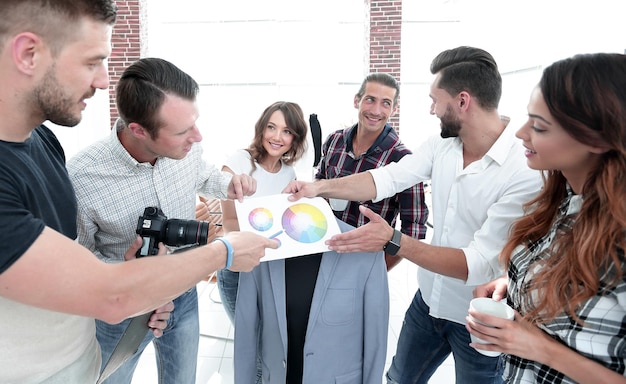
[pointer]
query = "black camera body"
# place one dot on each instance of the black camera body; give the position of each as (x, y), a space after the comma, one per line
(154, 228)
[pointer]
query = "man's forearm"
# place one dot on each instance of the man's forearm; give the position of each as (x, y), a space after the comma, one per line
(356, 187)
(442, 260)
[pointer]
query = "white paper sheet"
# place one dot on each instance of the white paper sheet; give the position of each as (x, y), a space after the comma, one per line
(301, 227)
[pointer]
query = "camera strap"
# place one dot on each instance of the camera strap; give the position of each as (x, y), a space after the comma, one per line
(127, 346)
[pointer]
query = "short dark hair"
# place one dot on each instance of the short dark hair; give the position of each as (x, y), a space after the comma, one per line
(380, 78)
(142, 88)
(472, 70)
(53, 20)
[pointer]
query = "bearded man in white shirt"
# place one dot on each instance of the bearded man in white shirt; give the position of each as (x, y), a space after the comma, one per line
(480, 181)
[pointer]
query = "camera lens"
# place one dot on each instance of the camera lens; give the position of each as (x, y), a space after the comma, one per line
(185, 232)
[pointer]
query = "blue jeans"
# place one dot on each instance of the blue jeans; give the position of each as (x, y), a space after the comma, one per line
(176, 351)
(425, 342)
(227, 285)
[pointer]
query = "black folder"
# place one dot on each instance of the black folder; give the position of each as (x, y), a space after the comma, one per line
(127, 345)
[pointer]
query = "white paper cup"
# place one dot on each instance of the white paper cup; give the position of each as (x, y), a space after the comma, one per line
(338, 204)
(491, 307)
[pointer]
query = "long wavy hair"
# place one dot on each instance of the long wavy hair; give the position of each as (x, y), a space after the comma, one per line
(296, 123)
(586, 94)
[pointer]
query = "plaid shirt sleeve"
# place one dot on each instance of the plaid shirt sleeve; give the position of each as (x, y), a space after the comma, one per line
(413, 211)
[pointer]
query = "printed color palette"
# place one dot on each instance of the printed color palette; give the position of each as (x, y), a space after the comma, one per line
(261, 219)
(300, 227)
(305, 223)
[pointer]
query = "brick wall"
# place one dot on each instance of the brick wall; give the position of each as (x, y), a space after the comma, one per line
(126, 44)
(384, 41)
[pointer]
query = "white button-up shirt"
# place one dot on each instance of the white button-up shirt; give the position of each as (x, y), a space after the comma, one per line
(473, 209)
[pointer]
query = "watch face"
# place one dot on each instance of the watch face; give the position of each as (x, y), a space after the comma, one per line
(392, 249)
(393, 246)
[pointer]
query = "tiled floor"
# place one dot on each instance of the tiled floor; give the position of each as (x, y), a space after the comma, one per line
(215, 357)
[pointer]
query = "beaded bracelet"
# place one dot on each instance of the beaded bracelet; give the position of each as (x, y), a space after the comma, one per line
(229, 251)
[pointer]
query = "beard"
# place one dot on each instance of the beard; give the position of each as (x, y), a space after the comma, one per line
(55, 105)
(450, 124)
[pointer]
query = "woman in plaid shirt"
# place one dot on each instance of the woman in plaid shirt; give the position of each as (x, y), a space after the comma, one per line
(565, 258)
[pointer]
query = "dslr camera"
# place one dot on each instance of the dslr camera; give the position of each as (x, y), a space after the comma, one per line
(154, 228)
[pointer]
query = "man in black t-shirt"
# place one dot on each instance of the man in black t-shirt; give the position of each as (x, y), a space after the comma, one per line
(52, 58)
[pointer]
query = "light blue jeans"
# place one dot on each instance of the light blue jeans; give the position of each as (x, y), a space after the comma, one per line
(227, 285)
(176, 351)
(425, 342)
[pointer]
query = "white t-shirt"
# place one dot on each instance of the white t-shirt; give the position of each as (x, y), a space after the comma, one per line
(31, 354)
(267, 183)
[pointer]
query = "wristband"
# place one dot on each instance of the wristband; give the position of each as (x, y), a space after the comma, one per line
(229, 251)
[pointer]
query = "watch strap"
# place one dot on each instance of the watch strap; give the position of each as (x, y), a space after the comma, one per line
(393, 245)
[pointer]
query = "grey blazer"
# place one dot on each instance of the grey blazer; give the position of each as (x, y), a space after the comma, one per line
(346, 339)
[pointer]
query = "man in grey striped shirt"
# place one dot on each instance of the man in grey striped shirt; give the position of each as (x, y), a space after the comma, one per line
(151, 158)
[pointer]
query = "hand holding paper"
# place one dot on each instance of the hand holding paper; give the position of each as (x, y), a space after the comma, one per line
(301, 227)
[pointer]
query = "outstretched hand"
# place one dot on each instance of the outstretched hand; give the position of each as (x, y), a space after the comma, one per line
(248, 248)
(299, 189)
(370, 237)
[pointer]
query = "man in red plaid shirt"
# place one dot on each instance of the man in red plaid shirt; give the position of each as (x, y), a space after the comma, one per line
(369, 144)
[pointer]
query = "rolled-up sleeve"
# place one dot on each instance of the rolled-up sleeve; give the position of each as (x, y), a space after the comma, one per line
(408, 171)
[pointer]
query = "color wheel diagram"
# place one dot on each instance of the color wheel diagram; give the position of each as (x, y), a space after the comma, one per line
(302, 222)
(300, 227)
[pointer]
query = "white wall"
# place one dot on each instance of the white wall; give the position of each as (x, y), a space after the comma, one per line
(523, 37)
(94, 125)
(248, 54)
